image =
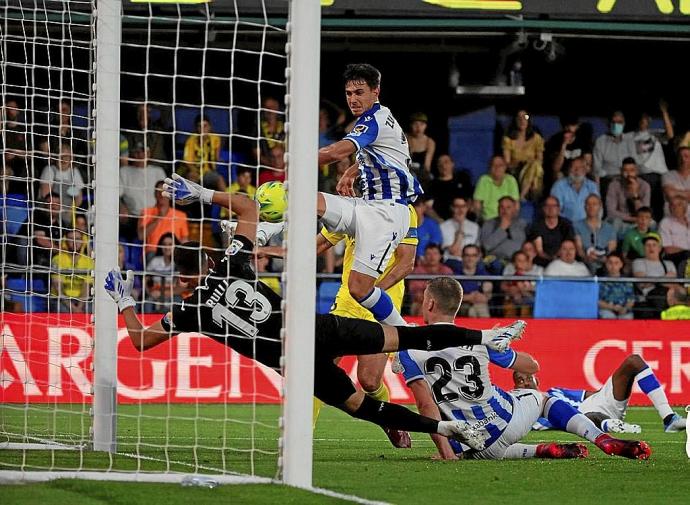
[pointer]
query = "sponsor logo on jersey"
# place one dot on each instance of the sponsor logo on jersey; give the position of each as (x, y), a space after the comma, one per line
(358, 130)
(368, 118)
(234, 248)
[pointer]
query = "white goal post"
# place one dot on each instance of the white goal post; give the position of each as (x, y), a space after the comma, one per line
(84, 436)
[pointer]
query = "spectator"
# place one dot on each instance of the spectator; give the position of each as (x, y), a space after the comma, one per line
(431, 265)
(677, 182)
(562, 148)
(572, 191)
(626, 194)
(518, 298)
(523, 151)
(15, 144)
(422, 148)
(428, 230)
(475, 302)
(594, 238)
(531, 253)
(70, 287)
(550, 231)
(650, 158)
(566, 264)
(243, 184)
(610, 149)
(152, 135)
(616, 299)
(160, 219)
(161, 291)
(654, 299)
(65, 180)
(201, 153)
(633, 247)
(61, 132)
(675, 231)
(492, 187)
(504, 235)
(138, 181)
(458, 231)
(448, 185)
(271, 133)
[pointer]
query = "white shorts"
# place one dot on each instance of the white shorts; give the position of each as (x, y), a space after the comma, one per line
(527, 408)
(377, 226)
(604, 402)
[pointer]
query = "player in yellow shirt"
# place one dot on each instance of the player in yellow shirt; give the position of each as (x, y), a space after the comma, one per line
(371, 367)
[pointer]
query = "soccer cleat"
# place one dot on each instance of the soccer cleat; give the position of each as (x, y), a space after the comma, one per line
(501, 336)
(674, 424)
(562, 451)
(462, 432)
(620, 426)
(632, 449)
(400, 439)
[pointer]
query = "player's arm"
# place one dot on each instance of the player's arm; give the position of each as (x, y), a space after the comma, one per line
(337, 151)
(120, 290)
(427, 407)
(405, 256)
(322, 244)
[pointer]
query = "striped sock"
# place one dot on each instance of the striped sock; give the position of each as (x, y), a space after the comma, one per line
(565, 417)
(381, 306)
(381, 393)
(650, 386)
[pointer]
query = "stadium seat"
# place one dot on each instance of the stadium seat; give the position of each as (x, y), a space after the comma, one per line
(15, 217)
(566, 299)
(326, 296)
(475, 129)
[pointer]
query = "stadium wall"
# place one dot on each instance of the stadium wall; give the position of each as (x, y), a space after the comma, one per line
(48, 360)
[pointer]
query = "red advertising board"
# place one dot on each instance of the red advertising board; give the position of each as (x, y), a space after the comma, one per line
(48, 358)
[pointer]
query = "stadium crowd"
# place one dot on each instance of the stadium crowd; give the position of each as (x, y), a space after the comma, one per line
(567, 206)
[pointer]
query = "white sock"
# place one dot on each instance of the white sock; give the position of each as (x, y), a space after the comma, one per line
(650, 386)
(381, 306)
(520, 451)
(582, 426)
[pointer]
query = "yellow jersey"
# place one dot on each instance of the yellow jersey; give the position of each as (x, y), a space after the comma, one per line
(72, 283)
(347, 306)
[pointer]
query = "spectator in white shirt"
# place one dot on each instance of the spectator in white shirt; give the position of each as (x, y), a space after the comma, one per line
(675, 231)
(567, 265)
(458, 231)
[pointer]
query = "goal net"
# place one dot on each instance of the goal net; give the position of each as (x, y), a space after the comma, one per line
(200, 92)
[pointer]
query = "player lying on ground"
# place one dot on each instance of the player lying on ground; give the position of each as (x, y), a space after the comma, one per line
(456, 384)
(607, 406)
(370, 367)
(231, 306)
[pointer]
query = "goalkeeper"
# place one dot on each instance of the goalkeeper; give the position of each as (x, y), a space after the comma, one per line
(231, 306)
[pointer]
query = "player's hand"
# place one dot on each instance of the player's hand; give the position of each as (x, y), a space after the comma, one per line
(184, 191)
(228, 228)
(346, 185)
(120, 288)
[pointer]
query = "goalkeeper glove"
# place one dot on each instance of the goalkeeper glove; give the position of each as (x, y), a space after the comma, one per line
(185, 192)
(120, 288)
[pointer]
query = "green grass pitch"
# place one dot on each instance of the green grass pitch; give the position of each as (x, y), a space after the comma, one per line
(350, 456)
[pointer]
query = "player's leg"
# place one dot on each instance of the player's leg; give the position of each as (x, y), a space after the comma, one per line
(550, 450)
(565, 417)
(607, 424)
(635, 369)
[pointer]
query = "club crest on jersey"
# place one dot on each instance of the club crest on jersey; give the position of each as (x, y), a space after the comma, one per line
(235, 247)
(368, 118)
(358, 130)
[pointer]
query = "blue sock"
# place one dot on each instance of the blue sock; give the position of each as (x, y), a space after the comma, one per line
(381, 306)
(565, 417)
(650, 386)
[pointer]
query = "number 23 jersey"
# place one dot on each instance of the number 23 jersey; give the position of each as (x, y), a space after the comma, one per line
(461, 385)
(234, 308)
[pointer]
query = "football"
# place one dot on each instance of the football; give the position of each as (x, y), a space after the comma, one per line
(272, 199)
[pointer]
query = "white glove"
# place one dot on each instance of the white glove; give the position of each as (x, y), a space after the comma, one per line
(185, 192)
(120, 288)
(264, 231)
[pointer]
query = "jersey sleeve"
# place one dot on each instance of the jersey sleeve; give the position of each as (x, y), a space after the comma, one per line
(411, 371)
(412, 237)
(181, 319)
(575, 395)
(365, 131)
(332, 237)
(503, 359)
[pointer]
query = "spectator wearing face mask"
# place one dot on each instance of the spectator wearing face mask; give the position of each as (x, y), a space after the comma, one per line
(611, 148)
(572, 191)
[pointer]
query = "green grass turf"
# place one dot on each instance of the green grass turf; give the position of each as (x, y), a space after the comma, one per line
(350, 457)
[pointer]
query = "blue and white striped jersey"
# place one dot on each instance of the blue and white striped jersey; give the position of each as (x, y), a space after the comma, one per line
(383, 156)
(573, 397)
(461, 385)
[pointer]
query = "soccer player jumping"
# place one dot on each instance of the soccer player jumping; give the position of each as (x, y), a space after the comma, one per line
(379, 220)
(230, 305)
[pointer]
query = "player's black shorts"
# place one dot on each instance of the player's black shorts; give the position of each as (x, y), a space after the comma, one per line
(341, 336)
